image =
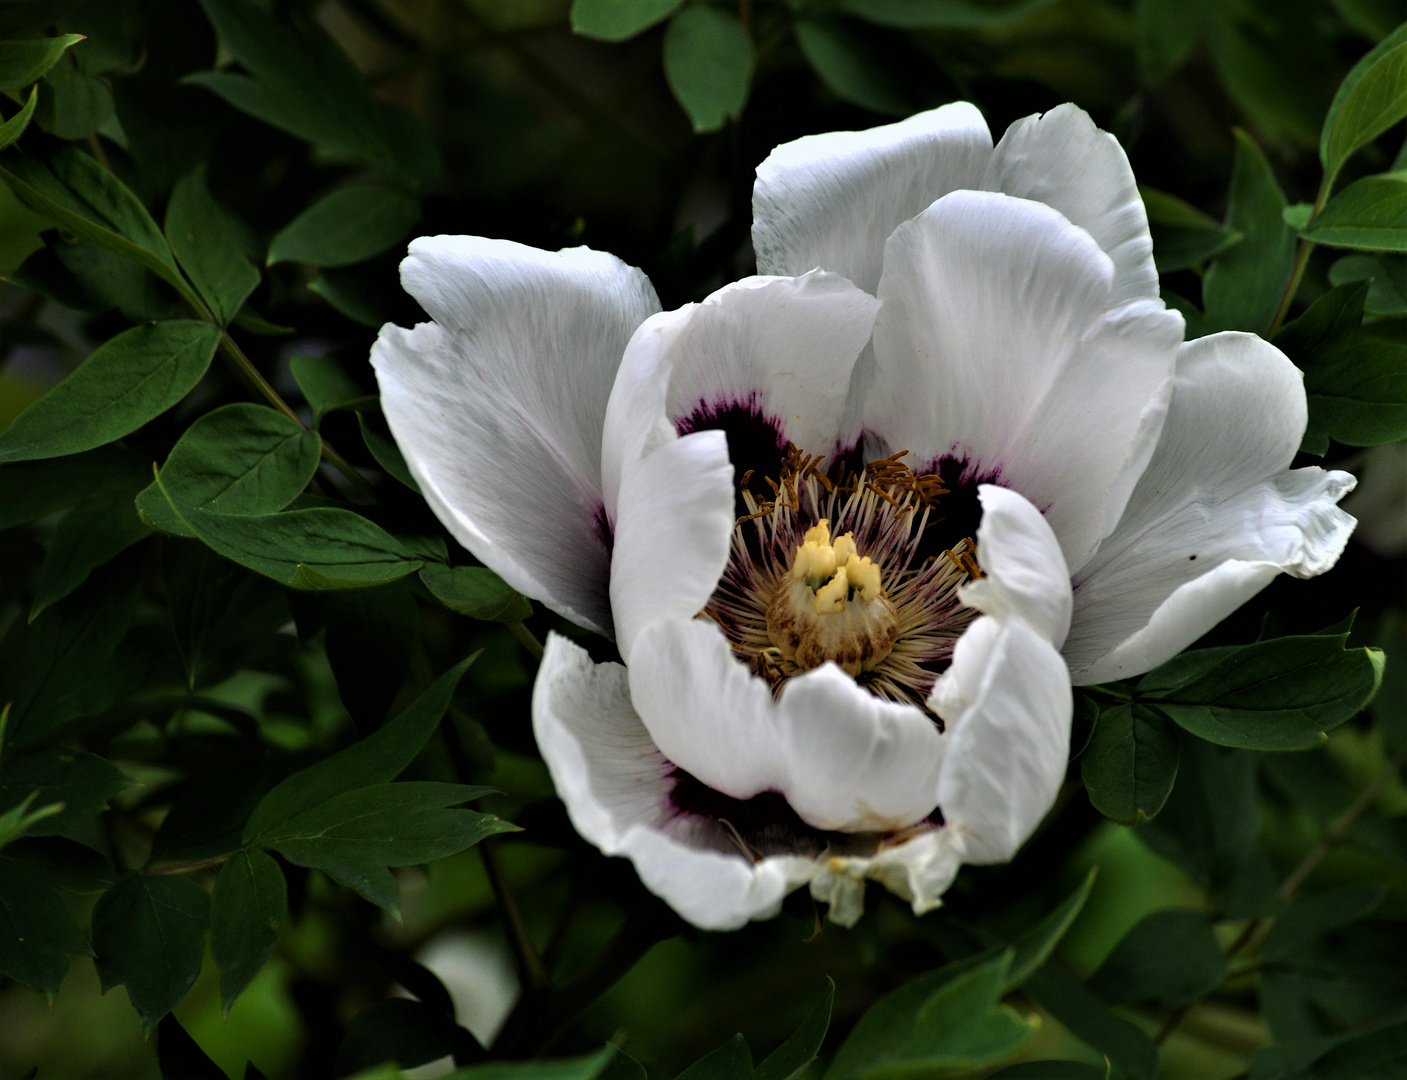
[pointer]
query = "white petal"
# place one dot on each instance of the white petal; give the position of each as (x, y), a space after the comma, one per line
(1008, 747)
(616, 788)
(1026, 577)
(831, 201)
(996, 347)
(844, 759)
(1216, 516)
(919, 870)
(1063, 160)
(673, 533)
(498, 406)
(780, 348)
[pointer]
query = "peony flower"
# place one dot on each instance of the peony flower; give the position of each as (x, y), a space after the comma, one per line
(855, 524)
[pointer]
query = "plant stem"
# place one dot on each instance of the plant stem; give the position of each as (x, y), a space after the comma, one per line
(1099, 688)
(526, 639)
(1335, 833)
(534, 974)
(1301, 261)
(1333, 836)
(190, 866)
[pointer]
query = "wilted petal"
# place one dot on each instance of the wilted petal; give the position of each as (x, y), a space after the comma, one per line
(844, 759)
(616, 786)
(831, 200)
(996, 347)
(919, 870)
(1061, 159)
(498, 406)
(1216, 516)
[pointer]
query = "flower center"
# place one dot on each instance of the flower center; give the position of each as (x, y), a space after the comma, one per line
(841, 568)
(832, 606)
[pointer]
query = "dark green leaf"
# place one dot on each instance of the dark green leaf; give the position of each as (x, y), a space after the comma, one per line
(206, 244)
(1131, 763)
(1281, 694)
(25, 60)
(89, 201)
(355, 836)
(25, 816)
(377, 759)
(32, 490)
(1086, 715)
(1051, 1070)
(37, 934)
(1356, 385)
(1090, 1020)
(475, 591)
(327, 387)
(708, 60)
(14, 127)
(1169, 958)
(387, 454)
(788, 1060)
(616, 20)
(124, 383)
(304, 84)
(350, 293)
(1310, 918)
(242, 459)
(1208, 826)
(1387, 278)
(1243, 287)
(1370, 215)
(1166, 37)
(962, 1027)
(585, 1067)
(731, 1061)
(1376, 1054)
(1183, 236)
(1370, 100)
(1033, 947)
(400, 1031)
(149, 935)
(348, 226)
(199, 587)
(322, 548)
(82, 782)
(247, 910)
(87, 537)
(940, 14)
(370, 640)
(73, 104)
(851, 70)
(64, 665)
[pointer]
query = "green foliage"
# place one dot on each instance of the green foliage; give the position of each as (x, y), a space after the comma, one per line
(348, 226)
(24, 60)
(149, 936)
(708, 60)
(1243, 287)
(1356, 385)
(1130, 764)
(1281, 694)
(233, 676)
(124, 384)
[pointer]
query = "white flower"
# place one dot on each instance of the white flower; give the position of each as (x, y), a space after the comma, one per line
(856, 524)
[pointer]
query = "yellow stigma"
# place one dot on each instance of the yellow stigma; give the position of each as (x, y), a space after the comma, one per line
(832, 606)
(832, 568)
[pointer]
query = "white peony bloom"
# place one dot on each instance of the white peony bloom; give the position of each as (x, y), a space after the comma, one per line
(856, 524)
